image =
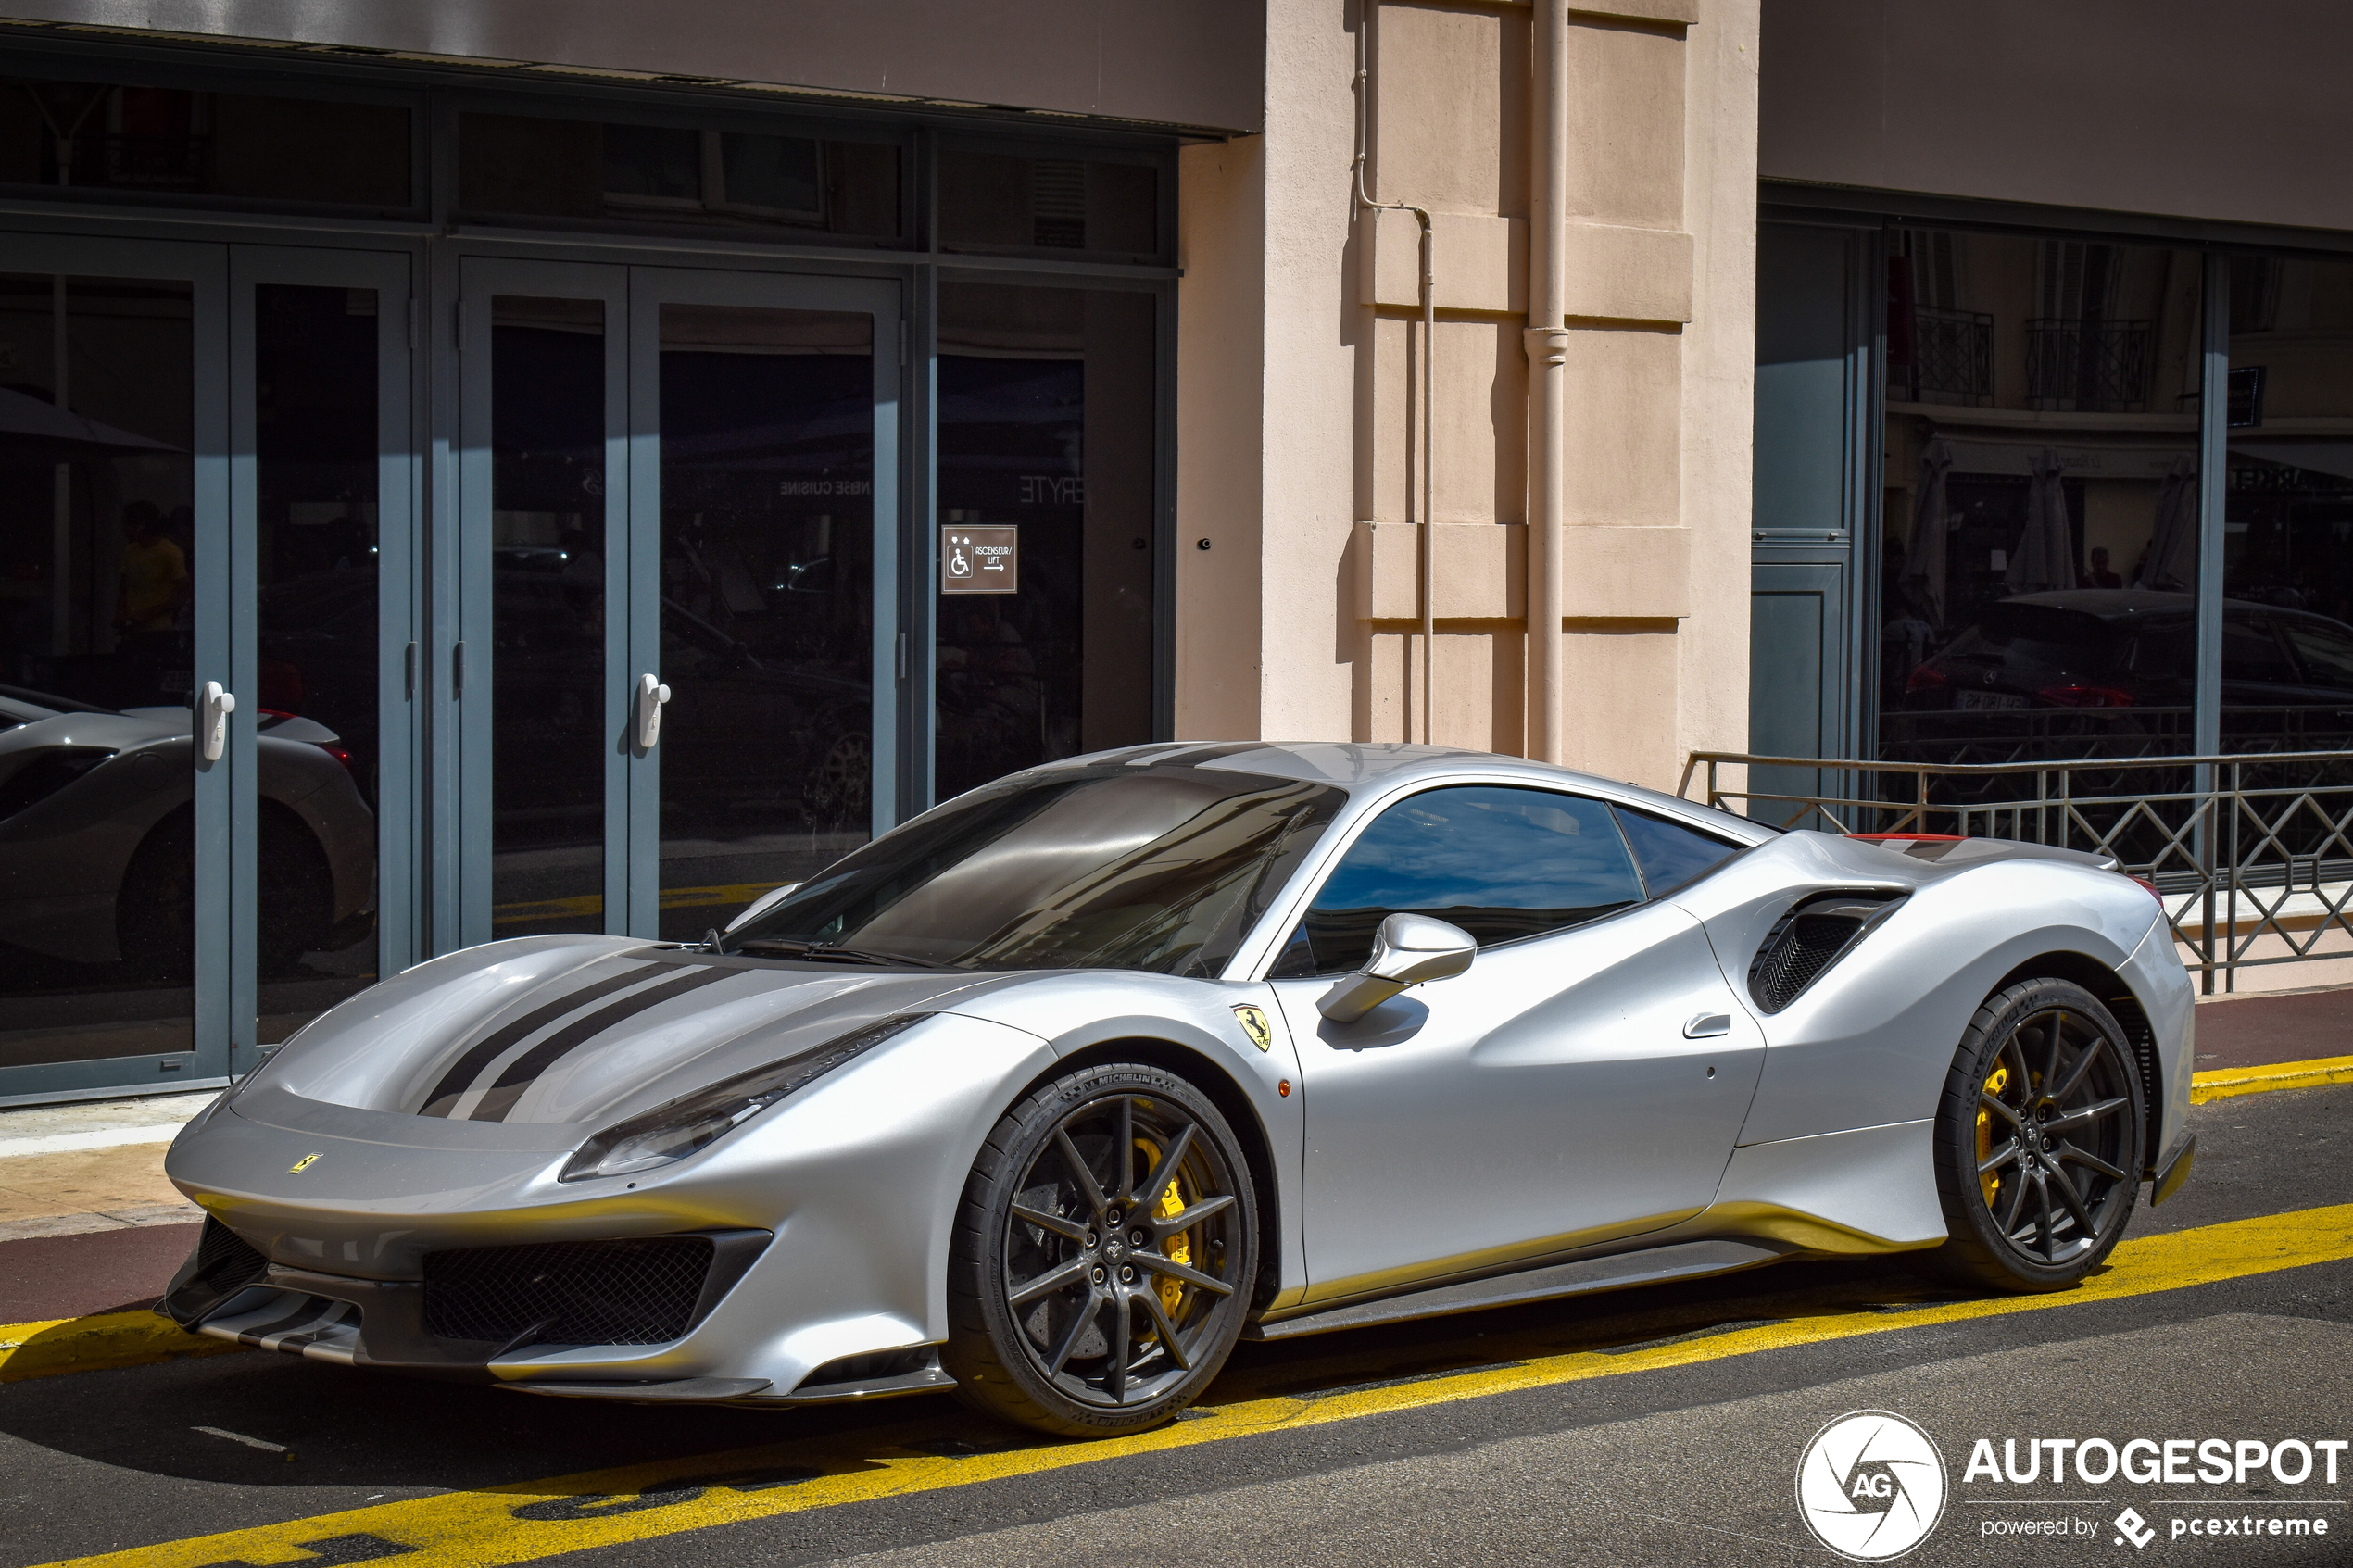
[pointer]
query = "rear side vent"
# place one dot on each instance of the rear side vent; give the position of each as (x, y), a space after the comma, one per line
(1810, 938)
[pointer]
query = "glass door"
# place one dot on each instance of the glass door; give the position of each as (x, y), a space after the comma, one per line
(764, 637)
(114, 620)
(322, 507)
(677, 664)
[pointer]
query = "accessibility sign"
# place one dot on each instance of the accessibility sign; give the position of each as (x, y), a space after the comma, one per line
(976, 559)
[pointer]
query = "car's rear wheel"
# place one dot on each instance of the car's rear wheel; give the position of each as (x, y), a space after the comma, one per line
(2038, 1140)
(1104, 1255)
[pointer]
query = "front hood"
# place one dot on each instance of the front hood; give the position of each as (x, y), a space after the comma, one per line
(580, 1029)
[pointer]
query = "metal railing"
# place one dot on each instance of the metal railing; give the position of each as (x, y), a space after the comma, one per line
(1952, 356)
(2090, 366)
(2251, 855)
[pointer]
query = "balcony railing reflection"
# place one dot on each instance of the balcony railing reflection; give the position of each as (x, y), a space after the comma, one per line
(1952, 356)
(2087, 367)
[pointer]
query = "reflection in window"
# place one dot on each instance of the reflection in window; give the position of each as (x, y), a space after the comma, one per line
(524, 166)
(1046, 425)
(2287, 537)
(315, 561)
(2036, 575)
(1500, 864)
(108, 137)
(98, 556)
(991, 202)
(767, 601)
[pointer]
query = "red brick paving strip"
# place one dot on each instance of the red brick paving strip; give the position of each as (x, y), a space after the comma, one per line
(2258, 1030)
(71, 1276)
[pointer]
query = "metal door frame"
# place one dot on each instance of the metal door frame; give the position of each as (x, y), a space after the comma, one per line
(399, 610)
(650, 289)
(203, 267)
(466, 665)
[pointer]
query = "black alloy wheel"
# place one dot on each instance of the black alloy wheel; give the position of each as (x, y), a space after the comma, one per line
(2038, 1139)
(1104, 1256)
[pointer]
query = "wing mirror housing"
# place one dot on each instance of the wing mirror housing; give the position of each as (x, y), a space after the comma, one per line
(1408, 950)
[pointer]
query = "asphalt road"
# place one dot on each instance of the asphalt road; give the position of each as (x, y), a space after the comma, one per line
(1658, 1426)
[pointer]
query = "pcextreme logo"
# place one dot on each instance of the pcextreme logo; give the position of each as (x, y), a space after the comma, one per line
(1870, 1486)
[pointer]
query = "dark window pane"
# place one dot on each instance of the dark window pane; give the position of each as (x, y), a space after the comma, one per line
(767, 601)
(1046, 427)
(315, 466)
(119, 138)
(780, 174)
(1500, 864)
(989, 201)
(1162, 869)
(98, 555)
(653, 160)
(1671, 854)
(548, 615)
(523, 165)
(2030, 586)
(2287, 536)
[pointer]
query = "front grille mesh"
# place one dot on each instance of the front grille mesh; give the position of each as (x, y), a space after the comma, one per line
(640, 1291)
(225, 1261)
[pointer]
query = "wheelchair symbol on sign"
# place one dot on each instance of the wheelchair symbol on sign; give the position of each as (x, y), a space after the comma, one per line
(959, 563)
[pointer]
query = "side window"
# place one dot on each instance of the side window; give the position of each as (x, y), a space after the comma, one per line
(2251, 653)
(1670, 854)
(1499, 862)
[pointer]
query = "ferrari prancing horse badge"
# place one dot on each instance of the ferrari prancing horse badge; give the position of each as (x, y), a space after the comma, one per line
(1254, 1021)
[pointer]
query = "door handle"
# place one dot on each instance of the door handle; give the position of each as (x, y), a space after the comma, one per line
(651, 695)
(1707, 1026)
(212, 718)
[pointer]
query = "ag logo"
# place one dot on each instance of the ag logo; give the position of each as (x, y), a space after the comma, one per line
(300, 1166)
(1255, 1024)
(1870, 1486)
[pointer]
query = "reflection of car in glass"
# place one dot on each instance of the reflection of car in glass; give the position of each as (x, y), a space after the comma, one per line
(1055, 1091)
(97, 835)
(2111, 653)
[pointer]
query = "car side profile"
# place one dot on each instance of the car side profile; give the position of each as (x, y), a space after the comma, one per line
(1053, 1093)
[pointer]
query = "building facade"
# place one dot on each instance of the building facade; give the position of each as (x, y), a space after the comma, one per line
(476, 469)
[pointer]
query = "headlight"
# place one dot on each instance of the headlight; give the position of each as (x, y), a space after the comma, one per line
(677, 1128)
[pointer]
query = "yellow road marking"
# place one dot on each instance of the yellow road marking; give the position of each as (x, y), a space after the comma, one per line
(733, 895)
(2225, 1082)
(530, 1520)
(106, 1339)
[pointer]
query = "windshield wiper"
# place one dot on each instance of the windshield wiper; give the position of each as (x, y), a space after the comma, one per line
(792, 947)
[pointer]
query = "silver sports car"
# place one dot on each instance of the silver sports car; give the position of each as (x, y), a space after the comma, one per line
(1053, 1093)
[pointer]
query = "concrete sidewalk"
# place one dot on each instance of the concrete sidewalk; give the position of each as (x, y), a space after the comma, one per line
(89, 1225)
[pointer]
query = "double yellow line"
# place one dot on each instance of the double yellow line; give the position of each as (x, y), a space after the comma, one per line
(531, 1519)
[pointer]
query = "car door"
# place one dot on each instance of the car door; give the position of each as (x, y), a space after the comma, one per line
(1584, 1080)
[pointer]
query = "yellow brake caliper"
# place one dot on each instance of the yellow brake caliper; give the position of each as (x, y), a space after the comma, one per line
(1991, 1181)
(1177, 1247)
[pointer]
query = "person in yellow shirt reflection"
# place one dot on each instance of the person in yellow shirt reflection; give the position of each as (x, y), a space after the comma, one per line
(154, 573)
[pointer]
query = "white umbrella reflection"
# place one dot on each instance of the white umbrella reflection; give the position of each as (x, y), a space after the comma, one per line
(2172, 558)
(2046, 555)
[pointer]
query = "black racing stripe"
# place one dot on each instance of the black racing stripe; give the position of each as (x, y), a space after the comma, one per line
(524, 1070)
(469, 1067)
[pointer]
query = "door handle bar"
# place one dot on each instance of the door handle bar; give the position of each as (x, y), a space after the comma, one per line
(212, 721)
(651, 695)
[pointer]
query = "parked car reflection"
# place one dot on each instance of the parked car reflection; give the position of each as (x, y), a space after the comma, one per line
(97, 829)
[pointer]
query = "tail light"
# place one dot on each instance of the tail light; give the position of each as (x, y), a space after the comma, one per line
(2085, 696)
(2150, 888)
(340, 753)
(1928, 678)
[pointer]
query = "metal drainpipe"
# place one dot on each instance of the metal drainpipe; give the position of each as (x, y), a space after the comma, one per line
(1430, 347)
(1547, 345)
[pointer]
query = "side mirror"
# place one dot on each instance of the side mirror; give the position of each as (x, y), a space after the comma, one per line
(1408, 950)
(763, 904)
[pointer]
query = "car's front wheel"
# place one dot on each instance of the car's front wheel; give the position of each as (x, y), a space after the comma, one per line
(1104, 1256)
(2038, 1139)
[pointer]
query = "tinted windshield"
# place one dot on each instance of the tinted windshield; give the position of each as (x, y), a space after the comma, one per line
(1161, 869)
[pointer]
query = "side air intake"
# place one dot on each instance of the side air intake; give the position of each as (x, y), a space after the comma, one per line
(1808, 940)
